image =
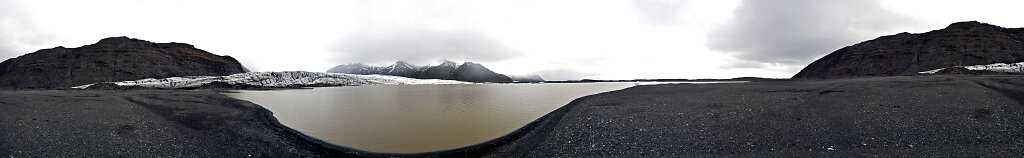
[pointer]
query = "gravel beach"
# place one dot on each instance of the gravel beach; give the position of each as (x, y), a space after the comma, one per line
(913, 116)
(143, 123)
(910, 116)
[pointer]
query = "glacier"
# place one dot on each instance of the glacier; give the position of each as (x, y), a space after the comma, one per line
(997, 67)
(278, 80)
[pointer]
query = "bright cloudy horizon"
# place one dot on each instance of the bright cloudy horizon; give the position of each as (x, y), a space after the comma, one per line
(559, 40)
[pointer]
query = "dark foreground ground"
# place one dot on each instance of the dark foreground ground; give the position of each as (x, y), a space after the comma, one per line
(960, 116)
(143, 123)
(925, 116)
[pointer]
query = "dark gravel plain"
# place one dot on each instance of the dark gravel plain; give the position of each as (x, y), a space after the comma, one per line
(144, 123)
(909, 116)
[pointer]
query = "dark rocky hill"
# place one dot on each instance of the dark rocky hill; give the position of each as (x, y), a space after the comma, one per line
(444, 71)
(470, 72)
(474, 72)
(112, 59)
(959, 44)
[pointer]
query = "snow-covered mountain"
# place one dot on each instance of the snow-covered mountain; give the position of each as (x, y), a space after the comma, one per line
(447, 70)
(355, 69)
(277, 79)
(401, 68)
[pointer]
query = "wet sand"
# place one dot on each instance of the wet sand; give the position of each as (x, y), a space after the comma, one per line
(962, 116)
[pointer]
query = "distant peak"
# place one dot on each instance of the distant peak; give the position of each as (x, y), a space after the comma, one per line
(117, 40)
(448, 63)
(969, 24)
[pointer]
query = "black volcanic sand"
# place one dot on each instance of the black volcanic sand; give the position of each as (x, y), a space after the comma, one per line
(144, 123)
(922, 116)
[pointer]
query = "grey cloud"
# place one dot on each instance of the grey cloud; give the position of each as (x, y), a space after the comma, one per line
(419, 47)
(796, 32)
(17, 30)
(6, 51)
(661, 12)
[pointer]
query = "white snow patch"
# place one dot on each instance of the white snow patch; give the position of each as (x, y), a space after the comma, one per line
(931, 71)
(997, 67)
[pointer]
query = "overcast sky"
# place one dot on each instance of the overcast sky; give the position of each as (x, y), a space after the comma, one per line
(554, 38)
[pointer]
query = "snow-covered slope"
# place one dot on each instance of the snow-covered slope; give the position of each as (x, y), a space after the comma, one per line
(279, 79)
(997, 67)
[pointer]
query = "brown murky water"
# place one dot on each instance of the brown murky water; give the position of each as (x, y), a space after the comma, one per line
(417, 118)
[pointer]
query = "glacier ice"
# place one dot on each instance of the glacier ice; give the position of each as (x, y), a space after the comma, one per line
(278, 79)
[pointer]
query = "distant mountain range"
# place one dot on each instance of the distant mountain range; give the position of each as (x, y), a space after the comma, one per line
(961, 48)
(526, 78)
(447, 70)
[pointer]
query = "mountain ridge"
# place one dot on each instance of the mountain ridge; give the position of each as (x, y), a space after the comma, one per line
(959, 44)
(447, 70)
(111, 59)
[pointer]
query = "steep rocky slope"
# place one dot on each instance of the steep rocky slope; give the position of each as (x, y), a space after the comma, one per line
(112, 59)
(474, 72)
(959, 44)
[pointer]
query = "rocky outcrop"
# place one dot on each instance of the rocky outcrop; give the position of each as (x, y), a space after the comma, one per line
(447, 70)
(959, 44)
(112, 59)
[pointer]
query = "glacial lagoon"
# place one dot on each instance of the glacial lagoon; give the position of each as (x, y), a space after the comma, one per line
(417, 118)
